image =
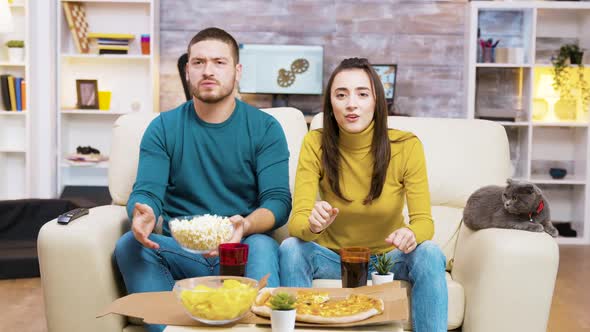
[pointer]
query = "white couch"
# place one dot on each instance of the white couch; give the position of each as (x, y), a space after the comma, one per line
(501, 280)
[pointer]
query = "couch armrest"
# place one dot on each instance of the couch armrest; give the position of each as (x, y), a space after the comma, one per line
(508, 277)
(78, 272)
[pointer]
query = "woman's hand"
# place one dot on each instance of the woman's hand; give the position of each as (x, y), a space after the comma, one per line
(403, 239)
(322, 215)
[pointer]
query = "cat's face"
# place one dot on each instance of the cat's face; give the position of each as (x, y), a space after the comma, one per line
(520, 197)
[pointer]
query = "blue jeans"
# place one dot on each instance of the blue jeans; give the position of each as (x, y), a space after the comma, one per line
(149, 270)
(424, 268)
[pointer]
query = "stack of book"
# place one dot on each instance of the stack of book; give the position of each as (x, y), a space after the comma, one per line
(13, 91)
(112, 43)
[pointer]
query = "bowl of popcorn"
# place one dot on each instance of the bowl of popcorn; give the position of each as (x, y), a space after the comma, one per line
(216, 300)
(202, 233)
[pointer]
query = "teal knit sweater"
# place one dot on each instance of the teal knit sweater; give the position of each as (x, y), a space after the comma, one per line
(190, 167)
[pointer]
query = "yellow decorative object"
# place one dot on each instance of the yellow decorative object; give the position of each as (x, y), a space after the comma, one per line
(546, 91)
(104, 100)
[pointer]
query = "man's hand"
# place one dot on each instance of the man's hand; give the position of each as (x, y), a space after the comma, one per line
(322, 215)
(143, 224)
(240, 224)
(403, 239)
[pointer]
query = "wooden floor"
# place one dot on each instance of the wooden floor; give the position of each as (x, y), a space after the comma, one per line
(21, 300)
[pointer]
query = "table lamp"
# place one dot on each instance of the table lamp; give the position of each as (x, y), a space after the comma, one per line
(546, 91)
(5, 17)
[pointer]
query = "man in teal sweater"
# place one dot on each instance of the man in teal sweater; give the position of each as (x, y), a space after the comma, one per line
(213, 154)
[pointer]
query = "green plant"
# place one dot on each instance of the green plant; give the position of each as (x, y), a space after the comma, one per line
(15, 44)
(383, 264)
(565, 79)
(282, 301)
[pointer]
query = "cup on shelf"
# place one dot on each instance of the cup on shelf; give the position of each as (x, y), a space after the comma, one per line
(104, 100)
(145, 44)
(488, 54)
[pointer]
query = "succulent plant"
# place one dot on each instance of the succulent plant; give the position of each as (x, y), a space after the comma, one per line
(15, 44)
(383, 264)
(282, 301)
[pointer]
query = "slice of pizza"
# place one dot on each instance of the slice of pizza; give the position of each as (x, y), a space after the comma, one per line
(319, 308)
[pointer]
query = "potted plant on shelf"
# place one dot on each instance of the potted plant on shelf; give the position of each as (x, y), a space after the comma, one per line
(282, 318)
(383, 266)
(565, 79)
(16, 50)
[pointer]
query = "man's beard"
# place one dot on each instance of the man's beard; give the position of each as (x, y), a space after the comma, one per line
(209, 98)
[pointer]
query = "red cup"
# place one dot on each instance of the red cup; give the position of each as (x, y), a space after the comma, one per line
(233, 258)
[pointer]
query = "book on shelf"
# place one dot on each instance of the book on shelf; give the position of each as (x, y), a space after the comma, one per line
(112, 51)
(117, 36)
(23, 87)
(13, 93)
(5, 92)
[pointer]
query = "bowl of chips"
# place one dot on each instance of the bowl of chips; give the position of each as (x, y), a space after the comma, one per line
(216, 300)
(201, 234)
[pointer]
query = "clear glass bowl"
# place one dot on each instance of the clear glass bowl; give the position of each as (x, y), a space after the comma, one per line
(216, 300)
(200, 234)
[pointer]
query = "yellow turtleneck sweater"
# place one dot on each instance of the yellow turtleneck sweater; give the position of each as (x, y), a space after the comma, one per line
(358, 224)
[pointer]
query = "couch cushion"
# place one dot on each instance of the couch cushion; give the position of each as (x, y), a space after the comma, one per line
(127, 133)
(447, 221)
(295, 128)
(456, 298)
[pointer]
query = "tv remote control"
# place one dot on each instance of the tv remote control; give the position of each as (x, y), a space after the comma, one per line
(72, 215)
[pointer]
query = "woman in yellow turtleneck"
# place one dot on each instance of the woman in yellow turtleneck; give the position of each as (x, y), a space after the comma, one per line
(364, 173)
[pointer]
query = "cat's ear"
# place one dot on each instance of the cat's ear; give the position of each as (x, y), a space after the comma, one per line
(528, 189)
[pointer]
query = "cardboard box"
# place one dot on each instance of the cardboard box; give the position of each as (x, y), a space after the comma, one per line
(164, 307)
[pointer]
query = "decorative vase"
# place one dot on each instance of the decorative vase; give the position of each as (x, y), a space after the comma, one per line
(576, 58)
(379, 279)
(16, 54)
(282, 320)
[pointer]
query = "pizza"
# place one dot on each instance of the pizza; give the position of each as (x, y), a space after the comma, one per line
(319, 308)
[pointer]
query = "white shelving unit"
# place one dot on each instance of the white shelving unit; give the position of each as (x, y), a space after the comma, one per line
(510, 90)
(15, 133)
(132, 79)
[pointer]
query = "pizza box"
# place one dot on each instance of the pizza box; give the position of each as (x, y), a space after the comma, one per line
(164, 307)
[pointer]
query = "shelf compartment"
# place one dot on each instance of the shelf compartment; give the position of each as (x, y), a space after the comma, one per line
(126, 91)
(502, 94)
(557, 27)
(563, 147)
(12, 176)
(13, 131)
(130, 17)
(512, 27)
(567, 113)
(567, 203)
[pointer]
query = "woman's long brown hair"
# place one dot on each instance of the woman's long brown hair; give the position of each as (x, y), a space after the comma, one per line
(331, 133)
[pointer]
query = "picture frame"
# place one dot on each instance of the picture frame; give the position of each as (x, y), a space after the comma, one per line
(87, 92)
(388, 75)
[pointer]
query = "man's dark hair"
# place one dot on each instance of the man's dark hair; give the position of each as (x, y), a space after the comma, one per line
(215, 34)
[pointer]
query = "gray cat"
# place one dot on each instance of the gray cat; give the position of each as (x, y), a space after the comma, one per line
(520, 205)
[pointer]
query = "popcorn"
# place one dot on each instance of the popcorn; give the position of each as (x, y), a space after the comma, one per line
(201, 233)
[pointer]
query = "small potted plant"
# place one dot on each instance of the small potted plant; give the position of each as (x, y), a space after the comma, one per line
(282, 317)
(565, 79)
(16, 50)
(383, 266)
